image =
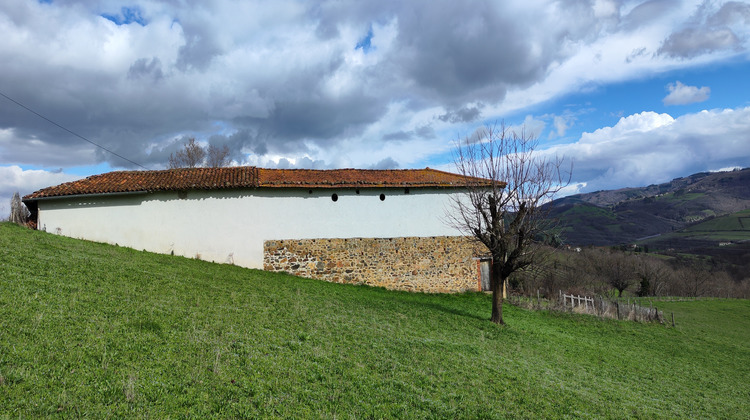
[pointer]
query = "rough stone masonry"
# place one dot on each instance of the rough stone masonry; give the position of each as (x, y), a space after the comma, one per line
(441, 264)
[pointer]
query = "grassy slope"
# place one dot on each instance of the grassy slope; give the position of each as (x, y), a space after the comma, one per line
(731, 227)
(90, 329)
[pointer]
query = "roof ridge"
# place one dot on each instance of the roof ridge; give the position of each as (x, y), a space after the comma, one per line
(242, 177)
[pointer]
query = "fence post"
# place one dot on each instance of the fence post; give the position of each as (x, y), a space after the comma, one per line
(673, 319)
(617, 305)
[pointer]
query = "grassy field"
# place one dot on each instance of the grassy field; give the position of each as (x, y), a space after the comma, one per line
(96, 330)
(721, 227)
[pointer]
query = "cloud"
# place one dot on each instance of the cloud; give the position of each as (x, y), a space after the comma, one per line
(321, 78)
(290, 73)
(710, 31)
(387, 163)
(647, 12)
(680, 94)
(695, 41)
(648, 148)
(15, 179)
(465, 114)
(561, 126)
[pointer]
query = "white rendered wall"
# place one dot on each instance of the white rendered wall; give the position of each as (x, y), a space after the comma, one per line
(230, 226)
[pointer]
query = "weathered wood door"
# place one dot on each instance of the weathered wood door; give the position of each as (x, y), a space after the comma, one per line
(484, 274)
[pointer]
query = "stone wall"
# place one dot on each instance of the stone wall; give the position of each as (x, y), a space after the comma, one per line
(442, 264)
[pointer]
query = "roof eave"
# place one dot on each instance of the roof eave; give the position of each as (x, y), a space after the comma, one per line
(60, 197)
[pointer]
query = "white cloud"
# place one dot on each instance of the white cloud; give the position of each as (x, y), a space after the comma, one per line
(681, 94)
(648, 148)
(15, 179)
(284, 78)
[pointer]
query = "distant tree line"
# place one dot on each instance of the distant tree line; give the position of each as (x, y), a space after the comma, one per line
(612, 272)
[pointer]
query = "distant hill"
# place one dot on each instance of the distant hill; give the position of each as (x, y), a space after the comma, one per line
(629, 215)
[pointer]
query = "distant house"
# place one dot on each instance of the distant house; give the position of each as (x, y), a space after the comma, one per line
(378, 227)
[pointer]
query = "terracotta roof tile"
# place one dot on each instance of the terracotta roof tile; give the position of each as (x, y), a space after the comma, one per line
(249, 177)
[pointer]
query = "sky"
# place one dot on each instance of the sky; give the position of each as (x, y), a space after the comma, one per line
(632, 92)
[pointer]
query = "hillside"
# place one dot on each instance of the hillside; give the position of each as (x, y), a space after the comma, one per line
(631, 214)
(725, 239)
(92, 330)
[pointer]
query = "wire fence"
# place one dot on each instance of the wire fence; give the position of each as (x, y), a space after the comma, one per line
(595, 305)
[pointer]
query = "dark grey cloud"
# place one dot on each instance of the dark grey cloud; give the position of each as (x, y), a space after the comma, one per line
(465, 114)
(647, 12)
(387, 163)
(708, 31)
(462, 52)
(310, 118)
(730, 13)
(285, 78)
(185, 68)
(241, 144)
(399, 135)
(425, 132)
(146, 68)
(422, 132)
(691, 42)
(200, 48)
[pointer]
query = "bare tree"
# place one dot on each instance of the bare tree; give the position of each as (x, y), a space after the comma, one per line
(190, 156)
(616, 269)
(502, 207)
(217, 157)
(18, 211)
(695, 281)
(651, 275)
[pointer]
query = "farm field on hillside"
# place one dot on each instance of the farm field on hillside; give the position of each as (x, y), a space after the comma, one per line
(95, 330)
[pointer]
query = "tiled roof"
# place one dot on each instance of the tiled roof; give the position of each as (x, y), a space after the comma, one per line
(249, 177)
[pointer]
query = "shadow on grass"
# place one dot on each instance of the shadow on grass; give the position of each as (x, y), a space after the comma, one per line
(455, 311)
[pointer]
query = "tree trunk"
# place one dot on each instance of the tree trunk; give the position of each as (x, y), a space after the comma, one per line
(497, 295)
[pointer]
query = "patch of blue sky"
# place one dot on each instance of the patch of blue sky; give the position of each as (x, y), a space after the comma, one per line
(45, 1)
(222, 128)
(598, 106)
(85, 170)
(365, 44)
(127, 16)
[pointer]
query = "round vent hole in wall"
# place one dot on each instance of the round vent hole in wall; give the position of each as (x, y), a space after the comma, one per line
(382, 197)
(335, 197)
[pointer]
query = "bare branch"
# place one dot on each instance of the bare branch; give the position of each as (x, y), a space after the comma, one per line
(191, 156)
(217, 157)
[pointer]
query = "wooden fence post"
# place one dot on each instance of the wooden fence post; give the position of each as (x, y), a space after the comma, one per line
(617, 305)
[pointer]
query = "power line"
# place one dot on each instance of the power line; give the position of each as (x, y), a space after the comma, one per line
(69, 131)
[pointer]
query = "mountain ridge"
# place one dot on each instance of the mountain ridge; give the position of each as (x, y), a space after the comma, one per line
(627, 215)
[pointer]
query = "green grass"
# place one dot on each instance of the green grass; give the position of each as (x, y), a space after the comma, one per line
(100, 331)
(731, 227)
(735, 222)
(589, 210)
(680, 197)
